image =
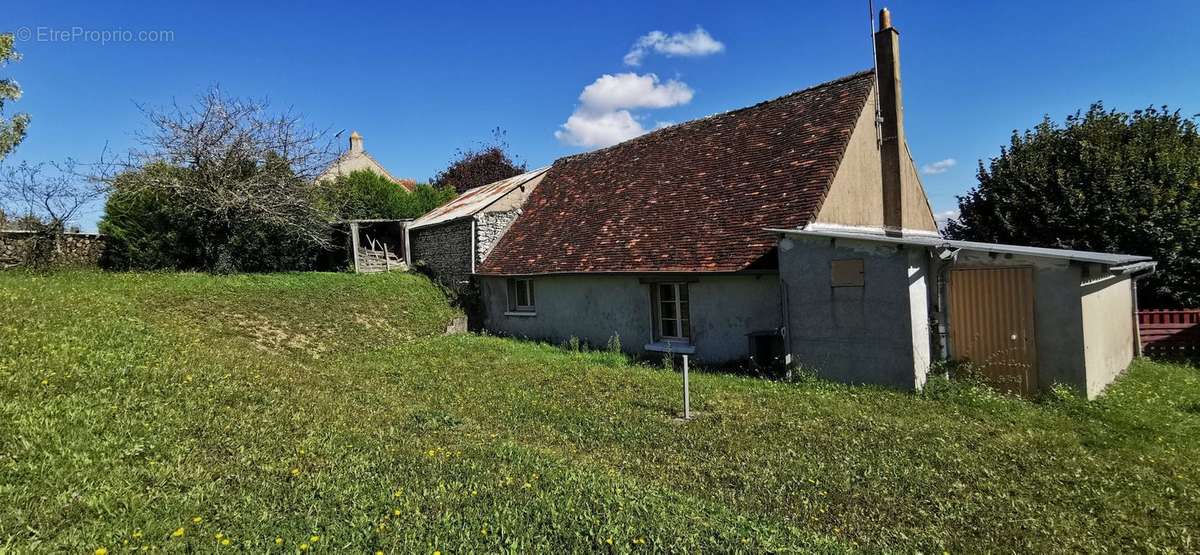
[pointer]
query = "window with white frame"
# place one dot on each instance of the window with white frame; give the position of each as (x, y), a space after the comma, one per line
(520, 295)
(672, 318)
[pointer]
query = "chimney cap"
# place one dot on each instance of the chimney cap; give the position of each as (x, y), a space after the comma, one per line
(356, 141)
(885, 19)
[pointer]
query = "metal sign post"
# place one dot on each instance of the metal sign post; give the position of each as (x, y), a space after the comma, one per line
(687, 407)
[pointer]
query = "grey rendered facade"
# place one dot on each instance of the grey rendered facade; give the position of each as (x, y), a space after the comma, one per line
(596, 308)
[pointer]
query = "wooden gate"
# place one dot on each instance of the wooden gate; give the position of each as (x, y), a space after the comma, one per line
(991, 325)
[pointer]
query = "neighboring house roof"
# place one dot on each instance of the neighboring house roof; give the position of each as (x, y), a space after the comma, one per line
(694, 197)
(356, 159)
(473, 200)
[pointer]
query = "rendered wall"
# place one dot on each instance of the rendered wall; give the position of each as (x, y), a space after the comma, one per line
(594, 308)
(1107, 331)
(855, 197)
(862, 334)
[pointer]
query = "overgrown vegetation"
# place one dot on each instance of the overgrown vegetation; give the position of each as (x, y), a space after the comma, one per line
(1105, 181)
(365, 195)
(229, 177)
(13, 128)
(326, 412)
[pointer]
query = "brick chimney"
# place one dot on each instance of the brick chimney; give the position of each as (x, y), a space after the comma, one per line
(356, 142)
(891, 123)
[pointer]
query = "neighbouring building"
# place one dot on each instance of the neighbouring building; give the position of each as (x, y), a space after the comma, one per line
(795, 231)
(356, 159)
(449, 241)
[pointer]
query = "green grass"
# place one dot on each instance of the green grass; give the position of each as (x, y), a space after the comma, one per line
(330, 406)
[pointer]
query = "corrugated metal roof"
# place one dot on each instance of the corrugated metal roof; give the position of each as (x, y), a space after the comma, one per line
(474, 200)
(999, 248)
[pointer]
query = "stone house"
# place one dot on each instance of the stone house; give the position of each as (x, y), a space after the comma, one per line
(452, 239)
(796, 232)
(356, 159)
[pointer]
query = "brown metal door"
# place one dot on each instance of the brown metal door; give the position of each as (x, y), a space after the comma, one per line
(991, 325)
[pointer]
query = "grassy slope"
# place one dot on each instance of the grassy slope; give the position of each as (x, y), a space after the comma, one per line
(298, 406)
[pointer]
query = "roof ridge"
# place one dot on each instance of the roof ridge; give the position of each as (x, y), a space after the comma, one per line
(829, 83)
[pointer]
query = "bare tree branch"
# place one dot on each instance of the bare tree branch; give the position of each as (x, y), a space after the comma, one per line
(243, 162)
(53, 198)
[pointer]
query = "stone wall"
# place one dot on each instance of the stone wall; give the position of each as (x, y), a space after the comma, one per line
(73, 249)
(489, 228)
(444, 250)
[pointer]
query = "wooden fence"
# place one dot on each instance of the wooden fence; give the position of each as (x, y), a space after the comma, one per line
(1170, 333)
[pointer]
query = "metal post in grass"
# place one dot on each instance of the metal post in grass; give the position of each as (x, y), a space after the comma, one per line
(687, 402)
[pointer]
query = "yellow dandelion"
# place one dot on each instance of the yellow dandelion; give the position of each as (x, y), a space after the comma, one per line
(137, 534)
(398, 493)
(639, 541)
(379, 553)
(218, 535)
(527, 485)
(304, 547)
(101, 551)
(295, 472)
(608, 541)
(225, 541)
(197, 519)
(47, 382)
(278, 540)
(437, 553)
(178, 533)
(483, 531)
(474, 492)
(396, 512)
(315, 539)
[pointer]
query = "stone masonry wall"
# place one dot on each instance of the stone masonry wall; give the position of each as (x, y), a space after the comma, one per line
(489, 228)
(444, 251)
(74, 249)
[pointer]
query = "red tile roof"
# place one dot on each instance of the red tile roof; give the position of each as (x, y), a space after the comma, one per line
(693, 197)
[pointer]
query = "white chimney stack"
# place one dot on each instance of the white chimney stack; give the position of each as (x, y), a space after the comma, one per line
(356, 142)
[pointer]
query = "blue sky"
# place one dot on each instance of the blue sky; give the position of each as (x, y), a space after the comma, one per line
(422, 79)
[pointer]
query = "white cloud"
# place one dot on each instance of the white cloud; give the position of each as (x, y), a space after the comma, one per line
(945, 216)
(599, 129)
(603, 117)
(630, 90)
(695, 43)
(941, 166)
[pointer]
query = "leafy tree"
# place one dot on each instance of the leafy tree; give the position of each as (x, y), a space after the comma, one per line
(1104, 181)
(473, 167)
(364, 194)
(12, 131)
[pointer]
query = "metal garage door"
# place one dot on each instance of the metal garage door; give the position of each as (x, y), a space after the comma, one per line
(991, 324)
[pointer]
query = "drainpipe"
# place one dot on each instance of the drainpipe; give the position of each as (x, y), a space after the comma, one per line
(946, 257)
(1137, 272)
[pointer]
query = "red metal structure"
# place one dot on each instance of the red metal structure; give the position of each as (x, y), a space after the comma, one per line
(1170, 333)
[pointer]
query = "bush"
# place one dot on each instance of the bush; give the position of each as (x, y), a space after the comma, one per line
(365, 195)
(154, 230)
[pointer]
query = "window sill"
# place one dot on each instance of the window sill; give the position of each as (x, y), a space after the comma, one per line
(520, 314)
(676, 347)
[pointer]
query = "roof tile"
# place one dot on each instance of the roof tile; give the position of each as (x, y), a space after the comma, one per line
(694, 197)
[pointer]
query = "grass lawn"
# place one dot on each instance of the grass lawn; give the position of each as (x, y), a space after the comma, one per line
(326, 412)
